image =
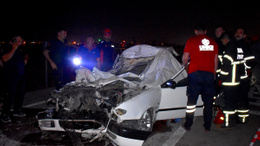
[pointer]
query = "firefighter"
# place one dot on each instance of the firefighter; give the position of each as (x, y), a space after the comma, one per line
(203, 53)
(233, 77)
(243, 103)
(230, 77)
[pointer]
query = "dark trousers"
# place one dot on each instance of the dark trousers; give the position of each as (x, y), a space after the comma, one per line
(62, 76)
(14, 93)
(244, 87)
(236, 103)
(200, 82)
(231, 100)
(243, 103)
(58, 78)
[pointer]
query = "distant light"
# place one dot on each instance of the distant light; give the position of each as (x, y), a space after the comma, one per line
(74, 42)
(99, 40)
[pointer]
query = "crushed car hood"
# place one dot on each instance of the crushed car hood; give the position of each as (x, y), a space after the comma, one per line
(136, 70)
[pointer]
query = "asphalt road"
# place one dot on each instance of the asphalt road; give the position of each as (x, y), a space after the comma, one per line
(25, 131)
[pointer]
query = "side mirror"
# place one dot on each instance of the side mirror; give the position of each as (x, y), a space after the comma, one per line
(169, 84)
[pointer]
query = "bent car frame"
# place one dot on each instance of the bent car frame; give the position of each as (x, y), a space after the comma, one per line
(123, 103)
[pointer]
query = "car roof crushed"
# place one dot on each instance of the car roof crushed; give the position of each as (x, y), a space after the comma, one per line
(151, 65)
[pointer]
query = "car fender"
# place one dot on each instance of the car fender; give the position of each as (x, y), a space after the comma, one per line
(136, 106)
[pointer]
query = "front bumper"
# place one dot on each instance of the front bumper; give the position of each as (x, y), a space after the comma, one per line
(49, 121)
(115, 132)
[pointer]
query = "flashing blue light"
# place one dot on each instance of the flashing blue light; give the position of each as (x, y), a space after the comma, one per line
(77, 60)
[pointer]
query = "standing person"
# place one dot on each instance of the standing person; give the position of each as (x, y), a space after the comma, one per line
(219, 32)
(243, 103)
(89, 54)
(234, 78)
(107, 50)
(203, 54)
(57, 55)
(230, 78)
(14, 59)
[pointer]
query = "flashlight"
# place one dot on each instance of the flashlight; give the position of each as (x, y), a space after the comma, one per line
(77, 60)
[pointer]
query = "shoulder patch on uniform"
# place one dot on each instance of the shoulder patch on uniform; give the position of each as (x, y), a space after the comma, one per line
(240, 50)
(240, 53)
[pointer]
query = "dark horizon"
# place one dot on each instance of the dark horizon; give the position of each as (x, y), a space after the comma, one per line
(164, 21)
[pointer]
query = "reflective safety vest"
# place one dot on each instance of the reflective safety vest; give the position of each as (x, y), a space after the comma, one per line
(230, 73)
(220, 59)
(248, 57)
(247, 66)
(234, 64)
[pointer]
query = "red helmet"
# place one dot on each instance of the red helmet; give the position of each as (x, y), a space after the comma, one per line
(107, 31)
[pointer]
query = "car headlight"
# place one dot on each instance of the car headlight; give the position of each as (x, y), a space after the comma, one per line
(120, 112)
(46, 123)
(143, 124)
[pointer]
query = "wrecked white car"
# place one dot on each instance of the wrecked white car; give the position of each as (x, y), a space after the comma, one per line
(124, 103)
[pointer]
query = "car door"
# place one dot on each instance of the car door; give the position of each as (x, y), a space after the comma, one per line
(173, 104)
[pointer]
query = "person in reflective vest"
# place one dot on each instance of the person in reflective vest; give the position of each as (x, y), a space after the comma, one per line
(232, 75)
(243, 103)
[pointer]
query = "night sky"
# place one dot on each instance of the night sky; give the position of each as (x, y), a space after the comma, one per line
(142, 21)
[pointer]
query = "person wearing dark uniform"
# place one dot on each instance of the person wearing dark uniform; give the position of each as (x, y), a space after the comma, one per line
(14, 58)
(234, 80)
(230, 77)
(89, 54)
(107, 49)
(57, 55)
(203, 54)
(243, 103)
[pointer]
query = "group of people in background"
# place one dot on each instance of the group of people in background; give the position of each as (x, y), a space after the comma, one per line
(224, 61)
(59, 55)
